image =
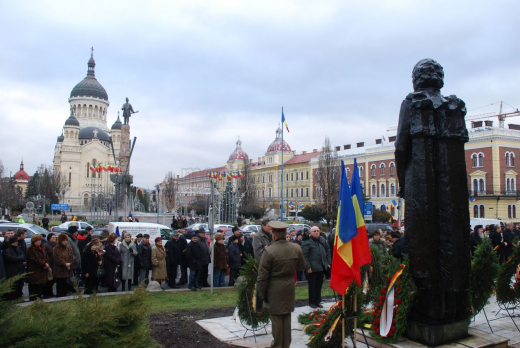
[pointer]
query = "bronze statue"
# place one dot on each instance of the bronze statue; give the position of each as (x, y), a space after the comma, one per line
(431, 169)
(127, 112)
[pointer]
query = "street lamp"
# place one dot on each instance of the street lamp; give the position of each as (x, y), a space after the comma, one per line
(157, 203)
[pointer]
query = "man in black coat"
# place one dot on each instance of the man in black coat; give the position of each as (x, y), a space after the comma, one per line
(14, 260)
(500, 242)
(173, 259)
(509, 235)
(183, 246)
(145, 257)
(475, 239)
(397, 246)
(195, 255)
(316, 253)
(206, 258)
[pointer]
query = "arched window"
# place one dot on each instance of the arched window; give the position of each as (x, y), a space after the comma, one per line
(508, 185)
(382, 167)
(392, 169)
(481, 159)
(475, 211)
(482, 186)
(292, 176)
(475, 187)
(482, 214)
(360, 171)
(88, 169)
(85, 199)
(373, 193)
(513, 186)
(509, 212)
(392, 189)
(514, 210)
(382, 191)
(373, 169)
(474, 160)
(510, 159)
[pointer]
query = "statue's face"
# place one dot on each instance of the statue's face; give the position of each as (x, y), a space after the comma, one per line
(127, 100)
(427, 73)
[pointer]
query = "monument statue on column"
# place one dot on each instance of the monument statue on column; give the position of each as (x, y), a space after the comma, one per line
(431, 169)
(127, 112)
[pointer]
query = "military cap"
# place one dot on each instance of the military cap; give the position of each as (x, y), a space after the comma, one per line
(278, 226)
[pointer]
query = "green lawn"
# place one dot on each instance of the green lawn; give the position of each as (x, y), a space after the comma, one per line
(169, 301)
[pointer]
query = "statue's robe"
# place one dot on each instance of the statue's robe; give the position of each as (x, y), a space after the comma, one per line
(431, 169)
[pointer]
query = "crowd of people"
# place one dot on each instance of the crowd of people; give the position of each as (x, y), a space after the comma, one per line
(502, 239)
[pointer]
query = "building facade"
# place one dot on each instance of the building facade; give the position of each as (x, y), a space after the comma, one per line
(85, 142)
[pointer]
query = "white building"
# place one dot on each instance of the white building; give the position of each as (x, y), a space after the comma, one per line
(86, 141)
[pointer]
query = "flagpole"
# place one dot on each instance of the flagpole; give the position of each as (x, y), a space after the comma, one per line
(355, 319)
(343, 321)
(281, 195)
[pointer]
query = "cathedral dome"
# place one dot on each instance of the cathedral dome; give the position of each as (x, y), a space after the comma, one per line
(117, 125)
(21, 174)
(277, 144)
(72, 120)
(93, 133)
(90, 87)
(238, 154)
(60, 138)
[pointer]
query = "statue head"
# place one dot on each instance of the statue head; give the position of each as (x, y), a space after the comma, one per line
(127, 97)
(427, 73)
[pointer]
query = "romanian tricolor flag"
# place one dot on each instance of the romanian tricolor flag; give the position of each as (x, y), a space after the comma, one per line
(351, 250)
(220, 177)
(240, 174)
(92, 169)
(105, 168)
(285, 122)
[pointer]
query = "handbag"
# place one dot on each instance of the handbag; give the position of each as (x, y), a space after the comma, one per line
(49, 274)
(100, 272)
(117, 280)
(70, 280)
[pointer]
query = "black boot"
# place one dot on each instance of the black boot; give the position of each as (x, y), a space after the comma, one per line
(129, 284)
(123, 285)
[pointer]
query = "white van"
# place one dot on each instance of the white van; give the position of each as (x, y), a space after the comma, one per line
(484, 222)
(134, 228)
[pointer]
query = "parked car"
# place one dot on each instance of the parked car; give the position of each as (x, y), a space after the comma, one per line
(371, 226)
(82, 225)
(298, 227)
(192, 229)
(31, 230)
(134, 228)
(251, 228)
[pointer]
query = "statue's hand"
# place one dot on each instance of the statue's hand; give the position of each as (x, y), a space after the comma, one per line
(400, 192)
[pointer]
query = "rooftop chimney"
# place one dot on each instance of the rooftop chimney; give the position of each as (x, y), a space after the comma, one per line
(514, 126)
(378, 141)
(346, 147)
(361, 144)
(476, 124)
(488, 123)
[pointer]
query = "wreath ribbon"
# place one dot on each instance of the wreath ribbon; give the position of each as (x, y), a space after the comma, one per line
(387, 312)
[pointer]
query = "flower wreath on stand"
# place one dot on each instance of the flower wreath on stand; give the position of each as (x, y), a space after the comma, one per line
(390, 311)
(246, 305)
(507, 293)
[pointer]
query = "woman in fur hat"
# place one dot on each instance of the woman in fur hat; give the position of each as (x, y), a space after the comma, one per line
(63, 259)
(128, 252)
(159, 273)
(37, 267)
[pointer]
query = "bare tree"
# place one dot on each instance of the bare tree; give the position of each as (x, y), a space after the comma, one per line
(10, 196)
(170, 191)
(51, 183)
(327, 180)
(249, 204)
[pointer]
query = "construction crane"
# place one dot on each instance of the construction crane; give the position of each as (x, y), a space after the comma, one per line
(501, 117)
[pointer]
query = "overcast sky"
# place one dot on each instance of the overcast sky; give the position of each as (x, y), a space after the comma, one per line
(203, 73)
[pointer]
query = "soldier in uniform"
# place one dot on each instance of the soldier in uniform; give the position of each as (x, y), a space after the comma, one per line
(276, 283)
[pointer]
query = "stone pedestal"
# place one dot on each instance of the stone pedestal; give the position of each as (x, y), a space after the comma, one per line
(124, 153)
(437, 334)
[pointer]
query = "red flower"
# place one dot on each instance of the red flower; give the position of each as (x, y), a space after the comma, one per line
(379, 312)
(310, 317)
(380, 303)
(388, 279)
(384, 290)
(398, 301)
(378, 320)
(373, 313)
(398, 290)
(315, 332)
(381, 297)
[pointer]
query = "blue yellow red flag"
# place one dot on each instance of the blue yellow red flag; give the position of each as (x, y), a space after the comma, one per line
(285, 122)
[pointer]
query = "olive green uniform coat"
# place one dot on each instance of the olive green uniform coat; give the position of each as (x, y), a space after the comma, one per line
(276, 285)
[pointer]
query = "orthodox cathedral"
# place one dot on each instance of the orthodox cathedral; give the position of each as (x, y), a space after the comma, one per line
(85, 142)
